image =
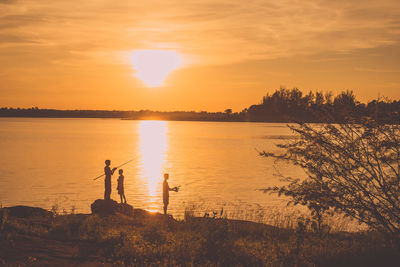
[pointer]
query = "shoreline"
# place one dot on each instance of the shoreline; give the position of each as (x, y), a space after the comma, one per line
(40, 238)
(147, 119)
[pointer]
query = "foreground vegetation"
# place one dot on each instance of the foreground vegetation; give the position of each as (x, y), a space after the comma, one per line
(146, 239)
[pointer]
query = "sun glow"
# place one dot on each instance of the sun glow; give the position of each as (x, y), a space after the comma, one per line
(153, 147)
(153, 66)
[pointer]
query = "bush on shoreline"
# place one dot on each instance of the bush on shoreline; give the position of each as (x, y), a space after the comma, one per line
(352, 169)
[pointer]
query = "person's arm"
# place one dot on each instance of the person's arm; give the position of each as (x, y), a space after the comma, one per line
(113, 170)
(169, 188)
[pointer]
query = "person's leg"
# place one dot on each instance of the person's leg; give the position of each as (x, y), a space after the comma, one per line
(107, 194)
(124, 198)
(121, 197)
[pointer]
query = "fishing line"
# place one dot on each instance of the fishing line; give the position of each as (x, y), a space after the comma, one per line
(115, 167)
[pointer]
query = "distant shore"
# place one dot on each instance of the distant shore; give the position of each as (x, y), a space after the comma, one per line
(125, 115)
(283, 106)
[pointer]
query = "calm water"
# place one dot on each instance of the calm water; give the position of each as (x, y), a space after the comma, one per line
(44, 162)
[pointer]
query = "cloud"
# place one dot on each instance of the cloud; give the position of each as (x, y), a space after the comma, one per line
(7, 1)
(14, 39)
(212, 31)
(10, 22)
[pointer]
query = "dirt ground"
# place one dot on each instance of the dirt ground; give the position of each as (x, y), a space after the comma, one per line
(24, 250)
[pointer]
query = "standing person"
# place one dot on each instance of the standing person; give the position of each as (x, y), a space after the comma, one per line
(107, 181)
(166, 190)
(120, 187)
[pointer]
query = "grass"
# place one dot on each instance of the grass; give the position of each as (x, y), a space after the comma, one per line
(155, 240)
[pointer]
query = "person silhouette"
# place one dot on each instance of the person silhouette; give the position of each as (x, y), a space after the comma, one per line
(108, 172)
(166, 190)
(120, 187)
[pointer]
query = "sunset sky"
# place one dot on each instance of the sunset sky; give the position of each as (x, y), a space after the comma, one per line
(214, 55)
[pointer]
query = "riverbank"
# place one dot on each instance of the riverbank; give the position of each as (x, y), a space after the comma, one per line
(150, 239)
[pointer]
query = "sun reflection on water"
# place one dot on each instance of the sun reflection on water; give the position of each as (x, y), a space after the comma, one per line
(152, 147)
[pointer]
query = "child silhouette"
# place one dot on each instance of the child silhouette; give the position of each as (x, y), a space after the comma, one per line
(120, 187)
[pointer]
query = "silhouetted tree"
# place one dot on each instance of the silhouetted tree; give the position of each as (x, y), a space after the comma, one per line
(344, 105)
(352, 169)
(319, 99)
(228, 111)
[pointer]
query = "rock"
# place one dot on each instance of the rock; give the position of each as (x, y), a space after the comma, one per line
(104, 207)
(25, 212)
(139, 213)
(109, 207)
(126, 209)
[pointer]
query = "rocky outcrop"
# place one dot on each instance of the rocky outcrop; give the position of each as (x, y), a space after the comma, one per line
(126, 209)
(109, 207)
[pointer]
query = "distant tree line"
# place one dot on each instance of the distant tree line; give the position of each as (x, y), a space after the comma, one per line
(131, 115)
(293, 105)
(284, 105)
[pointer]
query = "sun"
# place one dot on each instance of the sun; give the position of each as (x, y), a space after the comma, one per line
(153, 66)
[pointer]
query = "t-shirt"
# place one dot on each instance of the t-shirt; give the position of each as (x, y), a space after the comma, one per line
(120, 182)
(107, 172)
(165, 189)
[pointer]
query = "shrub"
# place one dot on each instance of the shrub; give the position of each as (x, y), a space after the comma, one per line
(351, 169)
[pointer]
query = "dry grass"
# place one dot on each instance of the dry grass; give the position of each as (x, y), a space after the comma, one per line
(156, 240)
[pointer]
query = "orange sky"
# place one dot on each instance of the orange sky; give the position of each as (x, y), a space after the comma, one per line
(78, 54)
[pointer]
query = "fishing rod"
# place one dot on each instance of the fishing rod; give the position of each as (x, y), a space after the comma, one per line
(115, 167)
(185, 184)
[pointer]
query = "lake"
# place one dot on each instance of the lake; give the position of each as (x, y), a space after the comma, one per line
(49, 162)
